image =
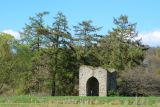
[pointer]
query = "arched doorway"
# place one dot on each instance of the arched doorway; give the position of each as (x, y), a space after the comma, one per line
(92, 87)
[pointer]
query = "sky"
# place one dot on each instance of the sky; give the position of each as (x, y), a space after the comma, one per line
(146, 13)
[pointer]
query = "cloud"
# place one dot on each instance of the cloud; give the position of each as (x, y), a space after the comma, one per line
(12, 32)
(150, 38)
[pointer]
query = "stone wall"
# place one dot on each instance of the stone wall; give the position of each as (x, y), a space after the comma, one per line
(87, 72)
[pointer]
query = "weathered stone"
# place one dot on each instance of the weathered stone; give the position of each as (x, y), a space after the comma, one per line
(93, 81)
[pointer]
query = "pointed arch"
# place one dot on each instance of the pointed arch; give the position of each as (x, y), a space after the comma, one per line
(92, 87)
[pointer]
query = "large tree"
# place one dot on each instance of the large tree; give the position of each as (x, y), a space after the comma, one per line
(59, 42)
(86, 39)
(34, 36)
(120, 48)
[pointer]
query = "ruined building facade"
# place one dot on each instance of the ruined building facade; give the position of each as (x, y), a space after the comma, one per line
(96, 81)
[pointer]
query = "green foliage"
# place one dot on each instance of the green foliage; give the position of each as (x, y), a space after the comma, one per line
(112, 93)
(66, 73)
(46, 60)
(33, 33)
(86, 42)
(86, 33)
(120, 49)
(7, 61)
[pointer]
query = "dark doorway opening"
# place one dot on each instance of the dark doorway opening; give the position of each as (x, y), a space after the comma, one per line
(92, 87)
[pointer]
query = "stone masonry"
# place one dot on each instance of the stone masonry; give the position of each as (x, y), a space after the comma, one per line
(87, 72)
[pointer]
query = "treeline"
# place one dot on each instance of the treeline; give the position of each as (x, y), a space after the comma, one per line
(46, 60)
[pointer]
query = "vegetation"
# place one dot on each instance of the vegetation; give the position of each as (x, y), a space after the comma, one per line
(46, 60)
(32, 101)
(140, 82)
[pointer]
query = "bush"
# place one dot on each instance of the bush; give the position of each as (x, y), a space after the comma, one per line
(112, 93)
(141, 82)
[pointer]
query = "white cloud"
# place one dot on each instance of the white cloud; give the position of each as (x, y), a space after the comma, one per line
(150, 38)
(12, 32)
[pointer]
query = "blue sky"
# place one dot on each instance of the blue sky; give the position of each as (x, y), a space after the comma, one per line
(15, 13)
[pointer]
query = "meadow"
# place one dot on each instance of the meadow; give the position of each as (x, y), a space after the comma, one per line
(75, 101)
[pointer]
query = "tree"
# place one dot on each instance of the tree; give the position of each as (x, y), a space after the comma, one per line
(7, 60)
(59, 39)
(86, 41)
(120, 48)
(33, 33)
(34, 36)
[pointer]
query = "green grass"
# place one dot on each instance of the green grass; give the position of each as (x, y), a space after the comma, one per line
(75, 101)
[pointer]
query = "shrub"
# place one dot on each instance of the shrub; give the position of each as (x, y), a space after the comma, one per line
(141, 82)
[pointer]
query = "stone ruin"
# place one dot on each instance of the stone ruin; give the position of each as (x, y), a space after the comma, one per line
(96, 81)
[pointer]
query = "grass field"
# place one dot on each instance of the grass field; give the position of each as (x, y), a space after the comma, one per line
(75, 101)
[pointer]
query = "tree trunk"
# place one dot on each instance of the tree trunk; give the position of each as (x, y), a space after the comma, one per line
(53, 88)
